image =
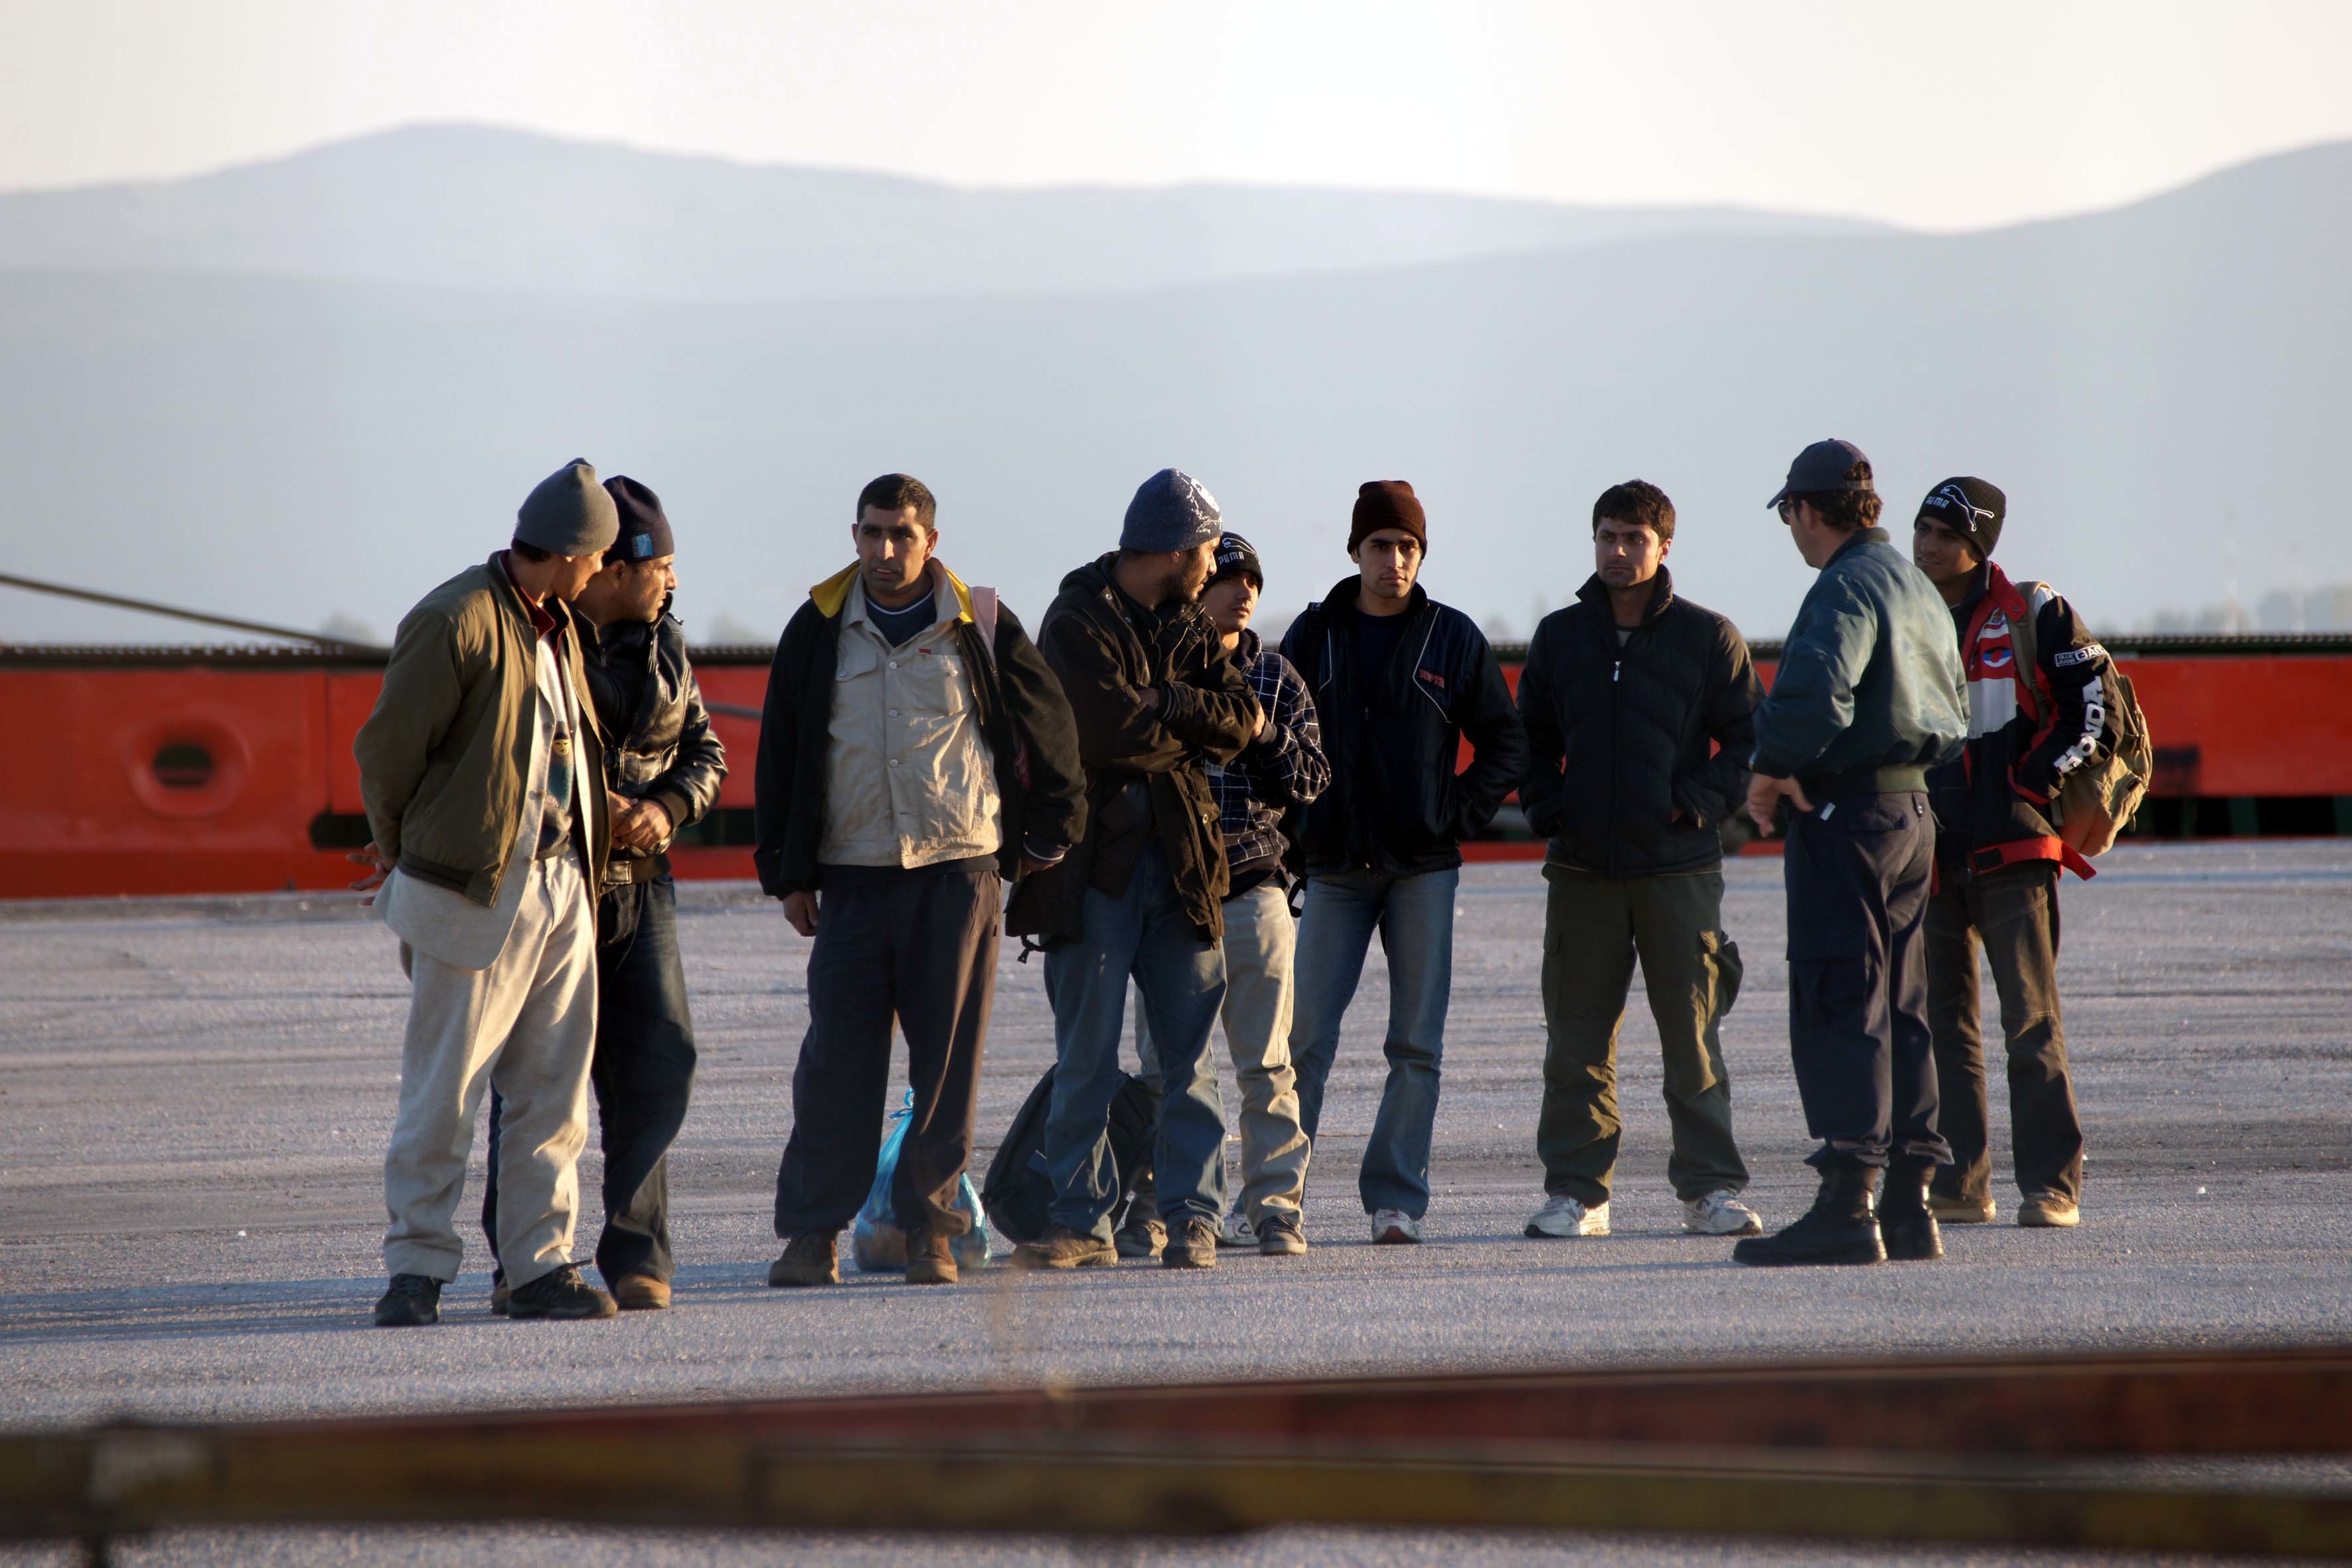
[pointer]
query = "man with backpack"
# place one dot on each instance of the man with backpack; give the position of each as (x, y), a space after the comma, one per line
(915, 753)
(2043, 708)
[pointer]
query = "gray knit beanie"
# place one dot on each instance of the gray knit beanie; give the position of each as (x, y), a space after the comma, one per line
(1170, 512)
(569, 513)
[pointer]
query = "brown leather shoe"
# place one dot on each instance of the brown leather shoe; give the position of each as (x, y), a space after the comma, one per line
(807, 1260)
(928, 1259)
(1062, 1247)
(642, 1293)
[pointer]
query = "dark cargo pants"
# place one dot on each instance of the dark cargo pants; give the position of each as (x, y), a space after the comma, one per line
(1593, 927)
(2013, 914)
(1856, 873)
(642, 1073)
(918, 947)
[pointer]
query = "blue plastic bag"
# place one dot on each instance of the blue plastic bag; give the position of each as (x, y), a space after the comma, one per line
(878, 1241)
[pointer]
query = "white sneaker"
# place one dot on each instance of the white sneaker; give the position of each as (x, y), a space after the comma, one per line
(1237, 1231)
(1560, 1219)
(1720, 1213)
(1394, 1227)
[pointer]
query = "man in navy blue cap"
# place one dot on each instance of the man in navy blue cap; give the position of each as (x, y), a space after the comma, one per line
(1867, 699)
(1141, 895)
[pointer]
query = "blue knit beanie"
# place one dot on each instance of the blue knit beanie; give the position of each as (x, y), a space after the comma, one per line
(1170, 512)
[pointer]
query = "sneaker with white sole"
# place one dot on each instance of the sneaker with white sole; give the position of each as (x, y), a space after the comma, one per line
(1720, 1213)
(1560, 1219)
(2048, 1211)
(1394, 1227)
(1236, 1230)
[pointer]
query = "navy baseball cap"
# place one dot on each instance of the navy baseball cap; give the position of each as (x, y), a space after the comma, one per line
(1822, 467)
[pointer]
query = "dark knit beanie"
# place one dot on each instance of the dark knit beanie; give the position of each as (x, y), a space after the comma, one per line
(645, 531)
(1237, 557)
(1387, 503)
(1171, 511)
(568, 513)
(1969, 508)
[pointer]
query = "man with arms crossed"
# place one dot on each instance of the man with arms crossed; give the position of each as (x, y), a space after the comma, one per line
(482, 772)
(1398, 679)
(1283, 768)
(662, 766)
(1997, 855)
(1866, 700)
(1639, 711)
(915, 753)
(1142, 895)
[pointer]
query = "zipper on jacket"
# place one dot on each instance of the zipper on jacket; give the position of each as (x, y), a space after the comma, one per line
(1616, 747)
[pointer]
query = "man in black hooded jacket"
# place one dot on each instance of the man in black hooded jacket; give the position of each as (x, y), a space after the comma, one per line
(1400, 681)
(1638, 706)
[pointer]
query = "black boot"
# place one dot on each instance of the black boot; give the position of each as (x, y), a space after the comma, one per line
(1838, 1228)
(1905, 1222)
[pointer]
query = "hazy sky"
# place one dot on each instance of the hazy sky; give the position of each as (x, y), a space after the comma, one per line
(1940, 117)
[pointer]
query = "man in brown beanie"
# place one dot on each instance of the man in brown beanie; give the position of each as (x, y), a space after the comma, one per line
(1400, 681)
(482, 777)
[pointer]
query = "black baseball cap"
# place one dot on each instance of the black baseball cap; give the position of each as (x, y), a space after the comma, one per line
(1238, 555)
(1820, 468)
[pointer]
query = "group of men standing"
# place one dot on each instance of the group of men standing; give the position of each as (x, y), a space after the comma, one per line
(1160, 790)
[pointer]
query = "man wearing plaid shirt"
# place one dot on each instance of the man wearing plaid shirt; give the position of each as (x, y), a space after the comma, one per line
(1283, 768)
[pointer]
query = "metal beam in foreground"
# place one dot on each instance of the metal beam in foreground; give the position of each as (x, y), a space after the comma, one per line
(1206, 1460)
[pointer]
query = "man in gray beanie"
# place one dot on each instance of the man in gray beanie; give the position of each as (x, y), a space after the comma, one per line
(483, 781)
(1157, 699)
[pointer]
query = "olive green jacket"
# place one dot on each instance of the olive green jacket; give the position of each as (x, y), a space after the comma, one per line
(444, 758)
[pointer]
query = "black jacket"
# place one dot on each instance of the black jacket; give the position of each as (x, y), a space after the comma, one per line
(1998, 792)
(1030, 738)
(1145, 762)
(1394, 737)
(659, 743)
(1622, 737)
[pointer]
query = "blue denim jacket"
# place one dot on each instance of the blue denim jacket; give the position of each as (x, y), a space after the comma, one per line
(1869, 678)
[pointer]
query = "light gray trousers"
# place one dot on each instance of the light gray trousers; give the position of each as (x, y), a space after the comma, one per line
(1260, 937)
(527, 1024)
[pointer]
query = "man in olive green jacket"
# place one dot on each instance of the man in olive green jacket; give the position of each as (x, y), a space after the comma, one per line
(484, 786)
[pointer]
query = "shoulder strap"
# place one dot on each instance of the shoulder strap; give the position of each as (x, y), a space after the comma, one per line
(984, 619)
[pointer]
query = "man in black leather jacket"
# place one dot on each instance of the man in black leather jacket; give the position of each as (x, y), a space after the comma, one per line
(1639, 711)
(662, 765)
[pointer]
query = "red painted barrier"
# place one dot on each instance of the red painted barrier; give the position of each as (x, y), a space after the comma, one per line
(219, 770)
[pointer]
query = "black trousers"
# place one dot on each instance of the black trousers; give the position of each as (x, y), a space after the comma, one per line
(642, 1072)
(2011, 915)
(918, 947)
(1857, 872)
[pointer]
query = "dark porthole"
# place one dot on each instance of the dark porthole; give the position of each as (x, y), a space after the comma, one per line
(184, 764)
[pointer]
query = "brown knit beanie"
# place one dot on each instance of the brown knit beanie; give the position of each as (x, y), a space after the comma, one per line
(1388, 503)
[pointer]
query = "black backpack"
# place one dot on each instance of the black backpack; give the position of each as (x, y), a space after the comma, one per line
(1017, 1193)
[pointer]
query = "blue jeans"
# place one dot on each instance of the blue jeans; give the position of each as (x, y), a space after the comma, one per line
(1414, 916)
(1145, 935)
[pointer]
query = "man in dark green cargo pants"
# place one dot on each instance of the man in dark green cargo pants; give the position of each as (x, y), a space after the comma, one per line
(1637, 706)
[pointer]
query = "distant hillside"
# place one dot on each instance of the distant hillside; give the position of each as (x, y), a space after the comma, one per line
(472, 207)
(285, 448)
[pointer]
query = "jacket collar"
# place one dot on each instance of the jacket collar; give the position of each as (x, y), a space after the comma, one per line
(834, 592)
(1595, 593)
(1346, 591)
(1859, 536)
(542, 620)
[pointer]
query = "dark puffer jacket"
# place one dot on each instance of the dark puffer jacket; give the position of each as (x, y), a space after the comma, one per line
(1394, 737)
(659, 743)
(1144, 762)
(1624, 737)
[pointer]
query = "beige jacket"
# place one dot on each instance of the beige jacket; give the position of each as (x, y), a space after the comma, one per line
(910, 779)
